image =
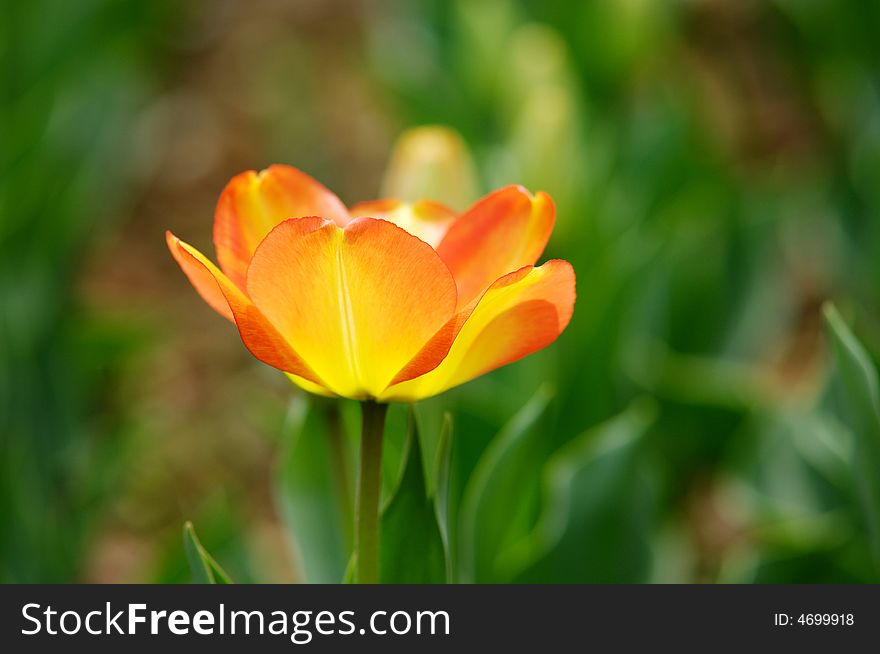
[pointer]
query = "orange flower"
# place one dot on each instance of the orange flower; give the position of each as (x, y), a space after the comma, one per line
(388, 301)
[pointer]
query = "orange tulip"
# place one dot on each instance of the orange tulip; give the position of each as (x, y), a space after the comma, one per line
(387, 300)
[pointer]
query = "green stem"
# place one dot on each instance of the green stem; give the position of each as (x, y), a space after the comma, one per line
(369, 487)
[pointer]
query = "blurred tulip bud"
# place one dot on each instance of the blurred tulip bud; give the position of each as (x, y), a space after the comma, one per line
(537, 55)
(482, 29)
(544, 149)
(431, 162)
(544, 143)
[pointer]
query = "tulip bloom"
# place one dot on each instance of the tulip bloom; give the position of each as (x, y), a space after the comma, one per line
(385, 301)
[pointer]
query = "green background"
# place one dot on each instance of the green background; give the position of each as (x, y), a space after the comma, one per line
(716, 169)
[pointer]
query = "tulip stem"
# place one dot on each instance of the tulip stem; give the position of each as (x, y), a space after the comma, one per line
(369, 487)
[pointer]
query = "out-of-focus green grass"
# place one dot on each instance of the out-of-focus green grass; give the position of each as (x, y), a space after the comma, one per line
(73, 74)
(716, 170)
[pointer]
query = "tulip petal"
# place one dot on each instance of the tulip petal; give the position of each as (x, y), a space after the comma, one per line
(425, 219)
(502, 232)
(520, 313)
(310, 387)
(253, 203)
(200, 276)
(357, 303)
(257, 333)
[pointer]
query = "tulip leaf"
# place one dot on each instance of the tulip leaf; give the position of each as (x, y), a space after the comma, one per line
(858, 381)
(499, 500)
(593, 527)
(411, 541)
(350, 570)
(308, 495)
(205, 570)
(442, 472)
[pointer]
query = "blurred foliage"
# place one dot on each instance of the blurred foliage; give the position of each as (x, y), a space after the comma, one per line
(716, 170)
(861, 393)
(70, 85)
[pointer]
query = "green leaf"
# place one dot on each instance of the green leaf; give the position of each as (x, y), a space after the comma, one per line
(442, 472)
(594, 526)
(499, 500)
(411, 546)
(350, 570)
(858, 380)
(205, 570)
(308, 492)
